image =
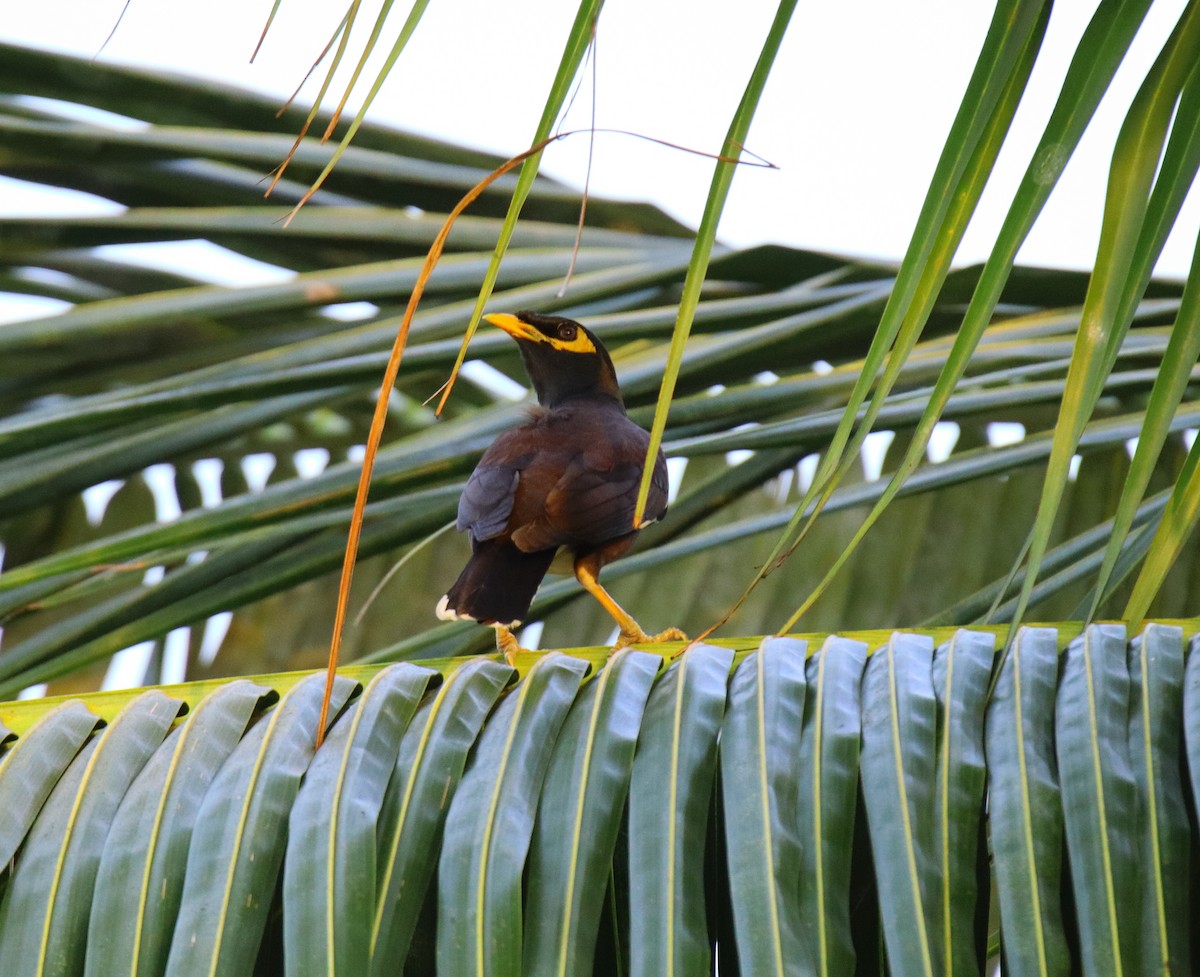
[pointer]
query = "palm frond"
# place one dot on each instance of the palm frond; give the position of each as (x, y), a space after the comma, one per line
(209, 387)
(667, 814)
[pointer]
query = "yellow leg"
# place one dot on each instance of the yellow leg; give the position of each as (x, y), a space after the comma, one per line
(586, 571)
(506, 644)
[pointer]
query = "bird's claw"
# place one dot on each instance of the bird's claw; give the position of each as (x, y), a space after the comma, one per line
(508, 646)
(639, 637)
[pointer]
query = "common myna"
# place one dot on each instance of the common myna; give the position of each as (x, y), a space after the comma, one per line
(556, 493)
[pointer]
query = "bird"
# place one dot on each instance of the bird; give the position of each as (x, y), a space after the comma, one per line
(556, 493)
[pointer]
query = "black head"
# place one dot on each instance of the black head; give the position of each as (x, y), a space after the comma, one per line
(563, 359)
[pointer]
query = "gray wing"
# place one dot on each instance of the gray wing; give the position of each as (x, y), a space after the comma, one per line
(656, 501)
(487, 501)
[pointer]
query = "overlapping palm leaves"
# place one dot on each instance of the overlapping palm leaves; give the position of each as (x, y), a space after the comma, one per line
(147, 368)
(792, 358)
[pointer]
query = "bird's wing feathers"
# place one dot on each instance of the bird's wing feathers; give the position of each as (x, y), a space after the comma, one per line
(549, 494)
(487, 501)
(588, 505)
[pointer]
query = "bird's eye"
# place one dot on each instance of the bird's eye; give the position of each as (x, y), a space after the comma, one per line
(566, 333)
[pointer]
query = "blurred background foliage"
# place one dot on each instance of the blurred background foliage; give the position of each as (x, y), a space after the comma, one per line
(177, 459)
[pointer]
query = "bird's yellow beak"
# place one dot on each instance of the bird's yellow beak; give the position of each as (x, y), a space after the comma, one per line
(514, 326)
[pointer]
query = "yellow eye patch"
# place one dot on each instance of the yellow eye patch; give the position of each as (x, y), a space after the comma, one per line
(580, 344)
(523, 330)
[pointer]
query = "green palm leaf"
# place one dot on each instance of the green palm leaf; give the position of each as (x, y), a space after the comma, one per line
(212, 796)
(800, 805)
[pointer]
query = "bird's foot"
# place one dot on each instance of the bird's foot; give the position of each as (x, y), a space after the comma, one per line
(636, 636)
(508, 646)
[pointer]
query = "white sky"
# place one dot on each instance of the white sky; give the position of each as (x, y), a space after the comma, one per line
(855, 113)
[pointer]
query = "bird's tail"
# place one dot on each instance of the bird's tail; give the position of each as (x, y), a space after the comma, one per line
(496, 586)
